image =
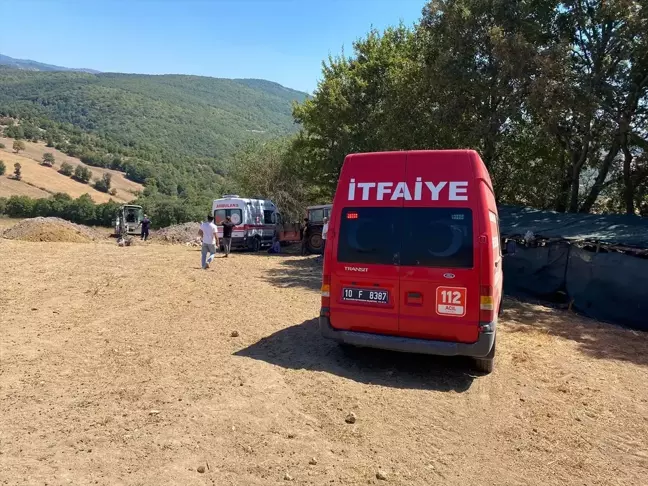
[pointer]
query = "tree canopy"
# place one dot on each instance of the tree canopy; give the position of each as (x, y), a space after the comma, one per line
(552, 94)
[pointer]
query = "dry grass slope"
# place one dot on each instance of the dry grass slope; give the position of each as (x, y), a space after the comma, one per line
(40, 181)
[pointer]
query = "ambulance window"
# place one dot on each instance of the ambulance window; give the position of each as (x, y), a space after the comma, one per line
(370, 235)
(268, 216)
(221, 214)
(437, 237)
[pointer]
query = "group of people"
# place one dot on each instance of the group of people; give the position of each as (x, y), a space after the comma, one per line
(208, 232)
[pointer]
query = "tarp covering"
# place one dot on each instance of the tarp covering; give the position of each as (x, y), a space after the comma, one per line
(624, 230)
(610, 287)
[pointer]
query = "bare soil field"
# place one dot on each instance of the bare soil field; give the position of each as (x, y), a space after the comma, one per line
(49, 181)
(119, 366)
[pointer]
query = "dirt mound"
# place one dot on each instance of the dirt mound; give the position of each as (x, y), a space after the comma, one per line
(179, 234)
(51, 230)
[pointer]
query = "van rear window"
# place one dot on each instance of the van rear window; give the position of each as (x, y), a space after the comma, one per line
(421, 237)
(437, 237)
(221, 214)
(370, 235)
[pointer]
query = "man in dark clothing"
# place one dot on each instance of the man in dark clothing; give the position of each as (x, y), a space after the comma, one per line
(228, 226)
(145, 223)
(305, 234)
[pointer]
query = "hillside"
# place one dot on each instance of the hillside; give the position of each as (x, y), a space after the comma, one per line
(187, 116)
(30, 65)
(41, 182)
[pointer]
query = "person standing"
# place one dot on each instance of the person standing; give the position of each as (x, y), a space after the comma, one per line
(145, 224)
(228, 226)
(324, 234)
(209, 234)
(305, 234)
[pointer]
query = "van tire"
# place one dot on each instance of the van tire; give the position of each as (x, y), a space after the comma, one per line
(485, 364)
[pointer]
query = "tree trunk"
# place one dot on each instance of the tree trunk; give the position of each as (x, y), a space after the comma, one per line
(562, 198)
(628, 193)
(600, 178)
(578, 160)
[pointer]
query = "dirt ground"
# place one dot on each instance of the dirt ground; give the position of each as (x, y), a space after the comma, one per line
(118, 367)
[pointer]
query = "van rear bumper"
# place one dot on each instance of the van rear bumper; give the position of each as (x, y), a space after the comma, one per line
(479, 349)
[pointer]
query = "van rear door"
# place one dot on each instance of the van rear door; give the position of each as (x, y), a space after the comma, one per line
(439, 285)
(364, 236)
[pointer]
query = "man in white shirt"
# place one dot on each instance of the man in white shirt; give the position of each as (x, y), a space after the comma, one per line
(209, 233)
(324, 234)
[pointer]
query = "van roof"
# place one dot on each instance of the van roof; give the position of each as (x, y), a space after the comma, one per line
(436, 152)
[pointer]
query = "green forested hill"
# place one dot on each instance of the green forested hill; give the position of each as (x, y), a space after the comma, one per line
(180, 115)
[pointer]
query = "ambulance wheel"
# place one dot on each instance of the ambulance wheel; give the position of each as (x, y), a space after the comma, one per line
(256, 244)
(485, 364)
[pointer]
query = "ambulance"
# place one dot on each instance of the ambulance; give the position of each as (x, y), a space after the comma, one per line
(257, 222)
(413, 260)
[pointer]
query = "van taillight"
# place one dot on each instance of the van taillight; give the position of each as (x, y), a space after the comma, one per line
(326, 294)
(486, 304)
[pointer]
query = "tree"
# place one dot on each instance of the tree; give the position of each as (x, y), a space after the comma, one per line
(82, 174)
(14, 131)
(17, 171)
(270, 169)
(66, 169)
(48, 159)
(18, 145)
(103, 184)
(19, 207)
(3, 168)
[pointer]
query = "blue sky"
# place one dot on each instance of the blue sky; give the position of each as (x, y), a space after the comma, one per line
(280, 40)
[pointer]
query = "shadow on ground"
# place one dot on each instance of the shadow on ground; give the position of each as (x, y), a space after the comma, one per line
(302, 347)
(305, 273)
(595, 339)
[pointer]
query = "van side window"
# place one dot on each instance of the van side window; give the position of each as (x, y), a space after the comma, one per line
(370, 235)
(268, 216)
(437, 237)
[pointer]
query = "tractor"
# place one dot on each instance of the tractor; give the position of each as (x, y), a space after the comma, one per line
(127, 220)
(316, 215)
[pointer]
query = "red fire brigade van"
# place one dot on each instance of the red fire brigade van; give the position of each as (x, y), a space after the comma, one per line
(413, 261)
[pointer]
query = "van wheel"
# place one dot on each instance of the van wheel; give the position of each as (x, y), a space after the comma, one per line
(485, 364)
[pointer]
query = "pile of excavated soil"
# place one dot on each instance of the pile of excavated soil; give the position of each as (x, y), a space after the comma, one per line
(179, 234)
(51, 230)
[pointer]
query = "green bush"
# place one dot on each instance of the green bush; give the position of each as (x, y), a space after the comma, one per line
(103, 184)
(19, 207)
(2, 146)
(82, 174)
(48, 159)
(3, 167)
(66, 169)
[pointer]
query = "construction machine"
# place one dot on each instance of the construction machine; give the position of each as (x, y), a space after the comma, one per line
(127, 220)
